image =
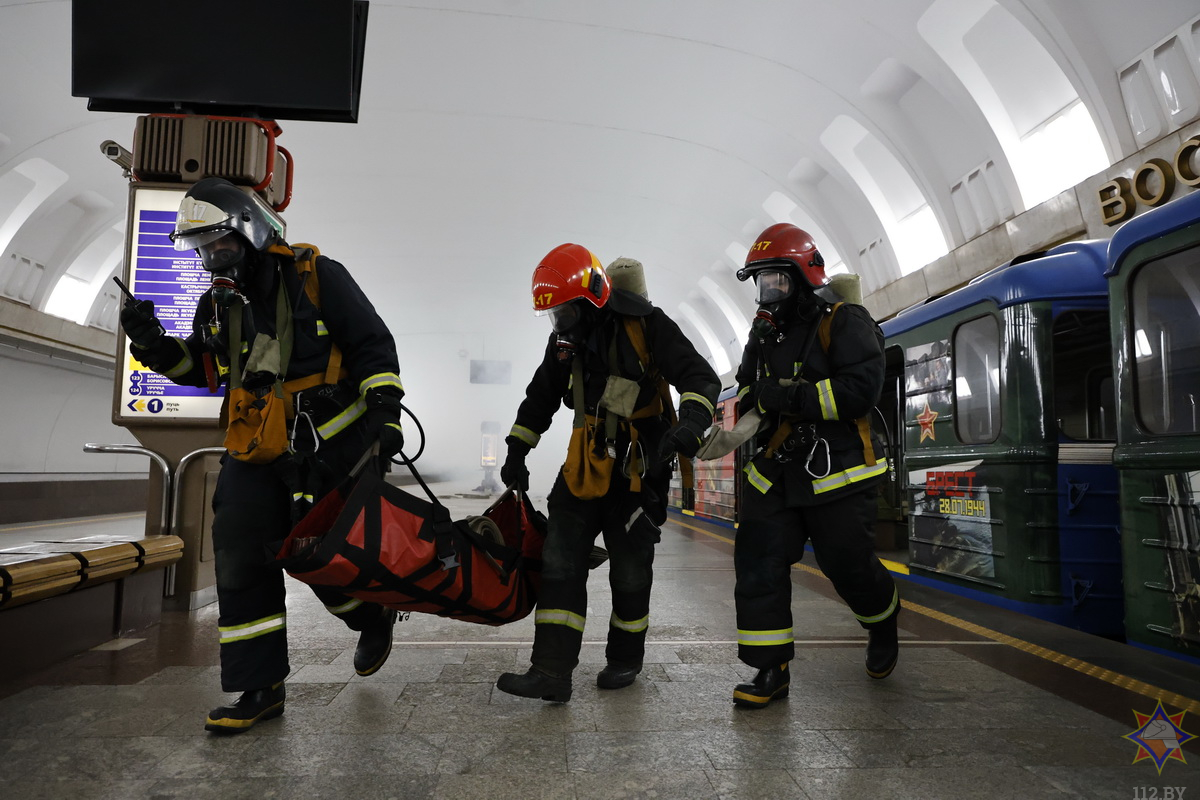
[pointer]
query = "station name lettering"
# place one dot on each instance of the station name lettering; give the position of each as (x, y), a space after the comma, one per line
(1152, 183)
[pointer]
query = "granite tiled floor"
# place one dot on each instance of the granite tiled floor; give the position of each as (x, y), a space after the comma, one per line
(962, 716)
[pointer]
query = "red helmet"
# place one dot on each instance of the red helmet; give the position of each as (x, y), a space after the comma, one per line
(569, 272)
(785, 245)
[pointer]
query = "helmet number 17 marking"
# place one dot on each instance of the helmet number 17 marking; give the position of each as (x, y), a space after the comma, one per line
(544, 299)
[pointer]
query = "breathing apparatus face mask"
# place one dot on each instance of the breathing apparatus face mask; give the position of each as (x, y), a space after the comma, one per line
(226, 260)
(572, 321)
(775, 293)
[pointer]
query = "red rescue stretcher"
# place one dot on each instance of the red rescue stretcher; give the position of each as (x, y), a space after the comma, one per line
(374, 541)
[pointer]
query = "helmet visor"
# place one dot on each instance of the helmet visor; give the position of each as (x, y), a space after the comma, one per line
(222, 253)
(773, 286)
(193, 239)
(564, 317)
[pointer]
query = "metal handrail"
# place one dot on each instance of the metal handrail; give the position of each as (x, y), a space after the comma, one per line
(164, 523)
(177, 489)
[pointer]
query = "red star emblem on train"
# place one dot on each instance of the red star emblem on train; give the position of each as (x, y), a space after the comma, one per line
(926, 419)
(1159, 736)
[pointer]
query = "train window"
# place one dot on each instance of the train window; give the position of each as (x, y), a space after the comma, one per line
(977, 380)
(1081, 362)
(1165, 328)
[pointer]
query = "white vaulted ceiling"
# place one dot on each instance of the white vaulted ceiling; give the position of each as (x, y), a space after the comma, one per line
(667, 131)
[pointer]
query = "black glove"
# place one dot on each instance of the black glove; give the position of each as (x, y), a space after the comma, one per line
(773, 396)
(514, 472)
(385, 426)
(141, 326)
(383, 423)
(685, 436)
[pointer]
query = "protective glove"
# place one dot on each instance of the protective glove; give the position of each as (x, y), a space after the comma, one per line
(514, 472)
(385, 426)
(383, 423)
(141, 326)
(773, 396)
(685, 436)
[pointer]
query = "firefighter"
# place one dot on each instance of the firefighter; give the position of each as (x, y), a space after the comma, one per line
(814, 368)
(310, 413)
(609, 359)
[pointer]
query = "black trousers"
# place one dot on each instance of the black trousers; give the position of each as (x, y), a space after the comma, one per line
(771, 537)
(573, 525)
(252, 507)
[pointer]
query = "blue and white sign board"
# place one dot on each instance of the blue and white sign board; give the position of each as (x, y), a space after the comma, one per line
(174, 280)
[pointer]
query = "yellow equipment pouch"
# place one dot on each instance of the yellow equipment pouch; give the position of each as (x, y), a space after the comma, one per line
(586, 472)
(257, 430)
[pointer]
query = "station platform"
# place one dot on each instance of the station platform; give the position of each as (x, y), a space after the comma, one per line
(983, 704)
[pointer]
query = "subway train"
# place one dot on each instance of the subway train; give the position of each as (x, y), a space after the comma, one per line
(1043, 437)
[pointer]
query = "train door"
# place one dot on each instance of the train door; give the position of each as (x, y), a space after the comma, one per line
(1156, 330)
(1083, 410)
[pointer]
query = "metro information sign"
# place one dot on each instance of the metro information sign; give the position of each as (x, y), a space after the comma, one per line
(174, 280)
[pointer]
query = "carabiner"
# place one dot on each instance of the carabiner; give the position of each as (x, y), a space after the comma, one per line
(627, 462)
(312, 428)
(812, 453)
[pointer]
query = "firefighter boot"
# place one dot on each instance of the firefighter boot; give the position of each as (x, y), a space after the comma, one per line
(536, 683)
(883, 648)
(767, 685)
(247, 710)
(375, 644)
(617, 676)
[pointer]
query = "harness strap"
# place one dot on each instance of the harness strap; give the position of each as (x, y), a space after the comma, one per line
(864, 433)
(863, 424)
(305, 257)
(635, 330)
(610, 418)
(577, 391)
(778, 438)
(652, 409)
(785, 425)
(235, 345)
(285, 331)
(825, 329)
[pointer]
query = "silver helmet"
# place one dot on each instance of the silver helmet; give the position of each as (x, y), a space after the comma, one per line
(214, 208)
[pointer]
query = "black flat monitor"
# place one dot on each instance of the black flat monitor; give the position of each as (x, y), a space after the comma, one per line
(301, 59)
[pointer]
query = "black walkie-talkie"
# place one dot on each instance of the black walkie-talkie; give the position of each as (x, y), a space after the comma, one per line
(130, 300)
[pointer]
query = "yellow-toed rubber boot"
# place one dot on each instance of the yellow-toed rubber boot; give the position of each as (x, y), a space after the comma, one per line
(769, 684)
(247, 711)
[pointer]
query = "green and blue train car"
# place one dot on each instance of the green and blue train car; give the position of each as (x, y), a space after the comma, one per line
(1154, 282)
(1046, 444)
(1001, 399)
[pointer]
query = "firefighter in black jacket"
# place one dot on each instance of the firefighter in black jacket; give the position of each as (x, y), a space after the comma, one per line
(609, 359)
(815, 372)
(340, 379)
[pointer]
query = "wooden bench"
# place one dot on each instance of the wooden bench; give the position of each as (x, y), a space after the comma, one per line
(60, 598)
(43, 569)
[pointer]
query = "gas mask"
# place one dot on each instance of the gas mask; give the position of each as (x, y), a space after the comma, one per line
(227, 260)
(572, 322)
(775, 295)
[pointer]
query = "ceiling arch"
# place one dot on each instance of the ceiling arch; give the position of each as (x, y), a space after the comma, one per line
(491, 132)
